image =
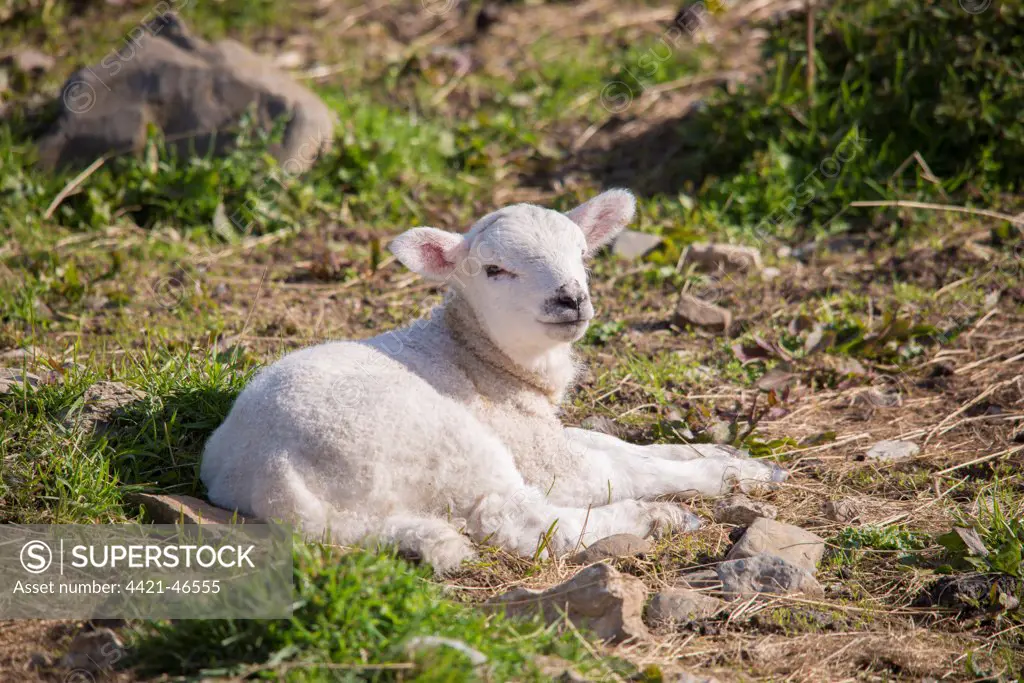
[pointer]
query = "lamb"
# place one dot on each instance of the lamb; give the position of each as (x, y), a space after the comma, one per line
(447, 432)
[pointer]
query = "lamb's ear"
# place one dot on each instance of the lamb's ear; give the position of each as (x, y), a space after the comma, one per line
(604, 217)
(428, 251)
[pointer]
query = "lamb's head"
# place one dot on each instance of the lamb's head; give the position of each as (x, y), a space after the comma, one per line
(522, 268)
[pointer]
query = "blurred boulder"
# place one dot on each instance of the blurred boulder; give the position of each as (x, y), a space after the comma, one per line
(193, 91)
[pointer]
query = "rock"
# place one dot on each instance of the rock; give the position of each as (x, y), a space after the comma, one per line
(892, 451)
(597, 423)
(599, 598)
(790, 543)
(764, 573)
(94, 651)
(842, 511)
(102, 403)
(633, 245)
(687, 677)
(13, 377)
(680, 606)
(289, 59)
(723, 257)
(616, 545)
(693, 311)
(175, 509)
(740, 510)
(190, 88)
(28, 61)
(770, 273)
(420, 643)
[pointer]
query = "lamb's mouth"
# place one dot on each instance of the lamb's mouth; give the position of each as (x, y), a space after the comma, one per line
(565, 324)
(566, 330)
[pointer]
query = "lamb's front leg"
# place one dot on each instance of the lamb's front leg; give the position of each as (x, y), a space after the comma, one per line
(613, 470)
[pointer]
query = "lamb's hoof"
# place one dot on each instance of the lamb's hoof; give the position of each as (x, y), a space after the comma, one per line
(669, 518)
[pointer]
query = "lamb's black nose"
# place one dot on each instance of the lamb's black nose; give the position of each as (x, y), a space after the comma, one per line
(569, 296)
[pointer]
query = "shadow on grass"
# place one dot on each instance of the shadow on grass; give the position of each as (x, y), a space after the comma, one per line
(895, 79)
(157, 442)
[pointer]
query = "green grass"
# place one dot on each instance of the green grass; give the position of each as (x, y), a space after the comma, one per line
(355, 615)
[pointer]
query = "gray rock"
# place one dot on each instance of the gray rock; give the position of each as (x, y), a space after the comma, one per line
(616, 545)
(29, 61)
(790, 543)
(741, 511)
(693, 311)
(175, 509)
(687, 677)
(842, 511)
(892, 451)
(100, 405)
(189, 88)
(599, 598)
(597, 423)
(765, 574)
(680, 605)
(94, 651)
(420, 643)
(723, 257)
(633, 245)
(13, 377)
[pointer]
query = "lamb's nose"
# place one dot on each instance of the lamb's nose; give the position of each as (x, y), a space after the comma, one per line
(570, 296)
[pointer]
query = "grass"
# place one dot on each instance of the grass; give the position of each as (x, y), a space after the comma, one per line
(363, 611)
(142, 277)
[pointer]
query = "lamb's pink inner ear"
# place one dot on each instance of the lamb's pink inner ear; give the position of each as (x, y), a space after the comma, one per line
(428, 251)
(604, 217)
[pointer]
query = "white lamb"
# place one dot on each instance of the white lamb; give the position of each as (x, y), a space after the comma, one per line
(448, 430)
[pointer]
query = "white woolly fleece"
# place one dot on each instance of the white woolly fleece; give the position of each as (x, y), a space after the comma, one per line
(449, 428)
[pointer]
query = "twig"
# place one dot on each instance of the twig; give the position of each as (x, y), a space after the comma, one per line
(943, 207)
(985, 458)
(73, 185)
(977, 399)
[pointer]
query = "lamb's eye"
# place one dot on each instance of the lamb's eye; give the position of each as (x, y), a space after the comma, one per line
(495, 271)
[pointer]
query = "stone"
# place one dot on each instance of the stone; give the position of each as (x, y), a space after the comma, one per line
(94, 651)
(616, 545)
(599, 598)
(29, 61)
(841, 511)
(420, 643)
(770, 273)
(680, 606)
(765, 573)
(687, 677)
(175, 509)
(693, 311)
(633, 245)
(892, 451)
(790, 543)
(13, 377)
(598, 423)
(741, 511)
(101, 404)
(195, 91)
(723, 257)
